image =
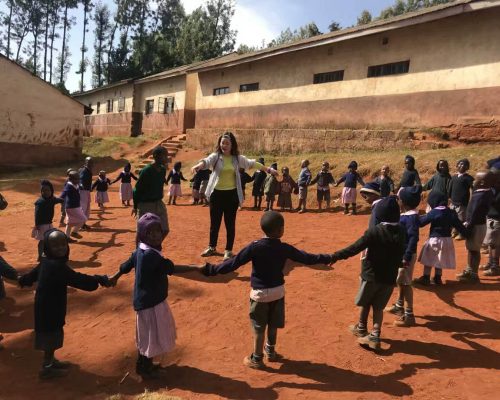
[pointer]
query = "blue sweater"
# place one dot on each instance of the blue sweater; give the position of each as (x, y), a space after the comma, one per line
(151, 277)
(71, 196)
(410, 221)
(268, 257)
(478, 207)
(304, 177)
(351, 179)
(44, 210)
(442, 221)
(86, 178)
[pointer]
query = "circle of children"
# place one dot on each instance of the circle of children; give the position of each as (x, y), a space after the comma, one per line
(459, 206)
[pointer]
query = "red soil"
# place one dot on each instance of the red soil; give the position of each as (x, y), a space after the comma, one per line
(453, 353)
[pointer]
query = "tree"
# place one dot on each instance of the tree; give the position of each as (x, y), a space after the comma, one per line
(87, 8)
(68, 22)
(6, 19)
(334, 26)
(364, 18)
(36, 29)
(101, 34)
(287, 36)
(54, 21)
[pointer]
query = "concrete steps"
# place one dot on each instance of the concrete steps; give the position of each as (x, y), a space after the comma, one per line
(173, 144)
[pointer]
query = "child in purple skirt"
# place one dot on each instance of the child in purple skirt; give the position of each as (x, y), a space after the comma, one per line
(175, 176)
(101, 184)
(126, 177)
(351, 179)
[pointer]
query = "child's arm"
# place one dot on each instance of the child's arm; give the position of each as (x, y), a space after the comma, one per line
(89, 283)
(305, 258)
(94, 185)
(342, 179)
(357, 247)
(391, 185)
(243, 257)
(29, 278)
(417, 178)
(7, 271)
(426, 219)
(168, 177)
(458, 225)
(360, 180)
(182, 176)
(133, 176)
(314, 180)
(125, 268)
(118, 177)
(412, 233)
(428, 185)
(108, 181)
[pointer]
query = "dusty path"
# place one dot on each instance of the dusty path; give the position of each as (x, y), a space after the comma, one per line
(453, 353)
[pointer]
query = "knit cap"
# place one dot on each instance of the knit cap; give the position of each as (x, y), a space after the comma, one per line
(387, 210)
(371, 187)
(410, 196)
(144, 224)
(437, 199)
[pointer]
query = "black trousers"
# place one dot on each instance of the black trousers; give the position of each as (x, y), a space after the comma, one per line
(223, 203)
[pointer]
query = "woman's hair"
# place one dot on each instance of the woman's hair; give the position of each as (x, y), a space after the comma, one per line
(234, 143)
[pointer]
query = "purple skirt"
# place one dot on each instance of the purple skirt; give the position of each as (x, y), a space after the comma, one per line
(348, 195)
(101, 197)
(175, 190)
(126, 191)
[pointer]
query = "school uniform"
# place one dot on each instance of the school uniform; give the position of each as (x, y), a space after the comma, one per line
(270, 187)
(125, 179)
(86, 188)
(459, 193)
(324, 180)
(386, 185)
(477, 211)
(44, 214)
(492, 238)
(410, 222)
(351, 180)
(8, 272)
(410, 178)
(303, 181)
(258, 183)
(74, 213)
(101, 186)
(175, 178)
(285, 189)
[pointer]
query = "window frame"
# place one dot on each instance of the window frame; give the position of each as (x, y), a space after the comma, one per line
(249, 87)
(98, 108)
(109, 105)
(149, 110)
(121, 104)
(327, 77)
(388, 69)
(220, 91)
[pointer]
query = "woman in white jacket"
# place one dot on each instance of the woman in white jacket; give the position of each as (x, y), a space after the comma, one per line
(224, 189)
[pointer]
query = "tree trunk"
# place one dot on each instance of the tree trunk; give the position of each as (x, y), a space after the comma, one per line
(52, 36)
(82, 65)
(46, 42)
(11, 3)
(110, 49)
(63, 48)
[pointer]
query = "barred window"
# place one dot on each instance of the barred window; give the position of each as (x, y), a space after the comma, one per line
(401, 67)
(109, 106)
(249, 87)
(221, 90)
(121, 104)
(98, 108)
(332, 76)
(150, 105)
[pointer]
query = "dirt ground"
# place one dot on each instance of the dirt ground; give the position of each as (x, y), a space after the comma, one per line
(453, 353)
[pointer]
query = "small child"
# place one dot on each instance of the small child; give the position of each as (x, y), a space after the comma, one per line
(63, 208)
(459, 192)
(200, 181)
(44, 213)
(324, 179)
(385, 182)
(438, 250)
(54, 276)
(175, 187)
(285, 188)
(351, 179)
(370, 192)
(379, 269)
(475, 220)
(440, 181)
(101, 184)
(410, 200)
(258, 186)
(267, 296)
(410, 174)
(155, 325)
(304, 181)
(75, 218)
(126, 191)
(492, 239)
(270, 188)
(245, 178)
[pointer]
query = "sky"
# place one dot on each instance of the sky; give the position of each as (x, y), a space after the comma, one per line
(254, 20)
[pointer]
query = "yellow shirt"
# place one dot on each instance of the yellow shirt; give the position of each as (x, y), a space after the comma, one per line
(227, 177)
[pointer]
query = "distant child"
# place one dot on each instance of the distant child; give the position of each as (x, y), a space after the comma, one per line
(258, 186)
(285, 188)
(75, 218)
(410, 174)
(245, 178)
(492, 239)
(175, 187)
(200, 181)
(155, 325)
(459, 192)
(267, 296)
(351, 179)
(440, 181)
(324, 179)
(44, 213)
(101, 184)
(438, 251)
(385, 182)
(126, 190)
(304, 181)
(475, 220)
(54, 276)
(370, 192)
(379, 269)
(409, 220)
(270, 188)
(7, 272)
(63, 208)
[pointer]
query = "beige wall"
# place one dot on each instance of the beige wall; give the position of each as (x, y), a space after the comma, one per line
(34, 113)
(126, 90)
(175, 86)
(455, 53)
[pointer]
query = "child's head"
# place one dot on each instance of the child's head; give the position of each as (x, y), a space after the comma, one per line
(273, 224)
(149, 230)
(484, 180)
(127, 167)
(274, 166)
(325, 166)
(410, 197)
(285, 171)
(384, 171)
(437, 199)
(387, 210)
(74, 177)
(68, 171)
(463, 166)
(89, 162)
(442, 167)
(409, 162)
(241, 170)
(46, 189)
(370, 192)
(102, 174)
(304, 163)
(178, 166)
(261, 160)
(55, 245)
(160, 155)
(353, 166)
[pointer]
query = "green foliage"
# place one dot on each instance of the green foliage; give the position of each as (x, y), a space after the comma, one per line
(289, 36)
(102, 29)
(334, 26)
(364, 18)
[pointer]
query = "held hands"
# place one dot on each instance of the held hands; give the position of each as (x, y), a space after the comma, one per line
(134, 212)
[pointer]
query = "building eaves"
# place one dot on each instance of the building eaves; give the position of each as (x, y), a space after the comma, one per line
(98, 89)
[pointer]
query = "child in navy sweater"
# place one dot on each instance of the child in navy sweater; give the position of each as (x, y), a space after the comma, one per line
(75, 218)
(385, 181)
(304, 181)
(200, 181)
(44, 213)
(125, 178)
(155, 325)
(8, 272)
(410, 174)
(324, 179)
(54, 276)
(492, 239)
(385, 243)
(175, 187)
(267, 297)
(101, 185)
(410, 199)
(459, 191)
(440, 181)
(258, 186)
(438, 251)
(475, 220)
(351, 179)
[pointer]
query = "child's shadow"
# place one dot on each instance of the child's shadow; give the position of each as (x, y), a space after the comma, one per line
(290, 265)
(2, 246)
(15, 318)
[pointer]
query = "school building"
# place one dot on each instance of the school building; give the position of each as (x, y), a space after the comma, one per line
(438, 67)
(38, 124)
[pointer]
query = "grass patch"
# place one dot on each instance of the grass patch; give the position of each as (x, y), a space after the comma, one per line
(147, 395)
(105, 146)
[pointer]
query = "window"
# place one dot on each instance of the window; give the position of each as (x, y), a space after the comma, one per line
(249, 87)
(150, 105)
(98, 110)
(121, 104)
(325, 77)
(401, 67)
(109, 106)
(166, 105)
(221, 90)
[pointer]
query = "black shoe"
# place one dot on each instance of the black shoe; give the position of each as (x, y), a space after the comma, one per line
(60, 364)
(424, 280)
(437, 280)
(50, 372)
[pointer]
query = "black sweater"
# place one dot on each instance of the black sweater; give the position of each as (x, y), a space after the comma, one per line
(386, 245)
(151, 277)
(101, 185)
(460, 187)
(125, 177)
(44, 210)
(54, 277)
(442, 221)
(86, 178)
(268, 257)
(410, 178)
(494, 211)
(176, 177)
(479, 206)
